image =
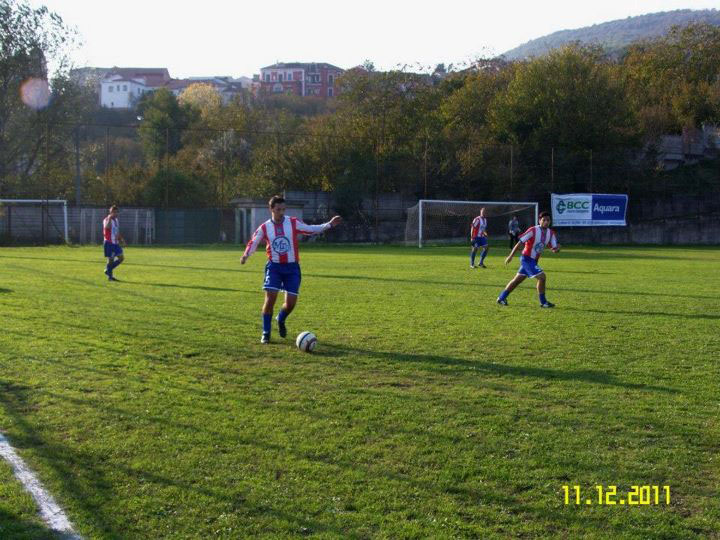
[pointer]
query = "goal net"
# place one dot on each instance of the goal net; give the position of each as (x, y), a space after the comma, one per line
(444, 222)
(33, 221)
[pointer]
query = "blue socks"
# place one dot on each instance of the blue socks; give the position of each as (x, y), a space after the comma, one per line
(109, 267)
(504, 294)
(267, 323)
(482, 256)
(282, 316)
(543, 300)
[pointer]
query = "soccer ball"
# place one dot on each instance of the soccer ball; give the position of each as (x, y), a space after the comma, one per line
(306, 341)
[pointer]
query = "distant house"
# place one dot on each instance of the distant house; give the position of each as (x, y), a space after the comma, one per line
(226, 86)
(300, 79)
(120, 88)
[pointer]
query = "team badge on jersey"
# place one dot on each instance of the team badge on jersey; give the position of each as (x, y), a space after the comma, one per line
(281, 245)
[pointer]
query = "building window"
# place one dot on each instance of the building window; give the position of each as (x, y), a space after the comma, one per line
(280, 77)
(110, 88)
(289, 76)
(267, 77)
(124, 87)
(277, 87)
(331, 80)
(330, 92)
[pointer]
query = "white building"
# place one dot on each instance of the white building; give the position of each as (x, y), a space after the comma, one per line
(121, 88)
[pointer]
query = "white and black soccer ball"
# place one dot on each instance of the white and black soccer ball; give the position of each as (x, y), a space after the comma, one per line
(306, 341)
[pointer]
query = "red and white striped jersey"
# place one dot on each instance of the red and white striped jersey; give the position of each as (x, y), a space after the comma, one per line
(536, 238)
(282, 238)
(111, 229)
(478, 227)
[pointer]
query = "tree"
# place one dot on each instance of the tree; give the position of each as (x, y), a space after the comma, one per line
(570, 98)
(674, 80)
(163, 123)
(31, 40)
(203, 97)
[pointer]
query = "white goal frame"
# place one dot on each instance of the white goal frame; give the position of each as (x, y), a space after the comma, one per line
(486, 203)
(48, 202)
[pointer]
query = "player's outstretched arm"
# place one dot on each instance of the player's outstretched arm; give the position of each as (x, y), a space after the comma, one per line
(304, 228)
(512, 253)
(252, 245)
(554, 245)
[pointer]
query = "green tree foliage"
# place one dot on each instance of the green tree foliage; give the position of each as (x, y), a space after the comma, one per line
(569, 98)
(674, 81)
(31, 39)
(164, 121)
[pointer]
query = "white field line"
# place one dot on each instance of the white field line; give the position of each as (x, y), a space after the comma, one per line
(51, 513)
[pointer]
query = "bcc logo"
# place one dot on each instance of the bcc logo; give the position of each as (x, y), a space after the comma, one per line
(572, 205)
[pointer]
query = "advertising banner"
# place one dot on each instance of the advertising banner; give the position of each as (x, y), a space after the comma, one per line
(588, 210)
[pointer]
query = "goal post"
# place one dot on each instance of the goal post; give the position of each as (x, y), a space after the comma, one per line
(34, 219)
(447, 221)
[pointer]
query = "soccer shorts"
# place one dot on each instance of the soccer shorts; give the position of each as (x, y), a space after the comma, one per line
(282, 277)
(529, 267)
(112, 250)
(479, 241)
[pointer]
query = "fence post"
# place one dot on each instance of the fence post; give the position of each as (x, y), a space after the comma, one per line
(425, 163)
(78, 180)
(167, 157)
(107, 162)
(511, 171)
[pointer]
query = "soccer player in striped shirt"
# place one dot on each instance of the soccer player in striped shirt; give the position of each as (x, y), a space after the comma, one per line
(478, 238)
(111, 242)
(282, 271)
(535, 239)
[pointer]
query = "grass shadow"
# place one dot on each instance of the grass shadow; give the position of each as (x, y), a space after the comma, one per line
(498, 288)
(100, 263)
(196, 287)
(13, 526)
(2, 290)
(14, 399)
(690, 316)
(585, 375)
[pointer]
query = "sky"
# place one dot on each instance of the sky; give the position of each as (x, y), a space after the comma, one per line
(237, 38)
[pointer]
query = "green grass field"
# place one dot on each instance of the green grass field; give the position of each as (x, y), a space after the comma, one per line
(149, 409)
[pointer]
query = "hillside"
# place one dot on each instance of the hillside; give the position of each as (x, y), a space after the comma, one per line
(615, 35)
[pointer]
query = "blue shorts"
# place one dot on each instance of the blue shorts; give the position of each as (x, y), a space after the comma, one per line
(282, 277)
(112, 250)
(529, 267)
(479, 241)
